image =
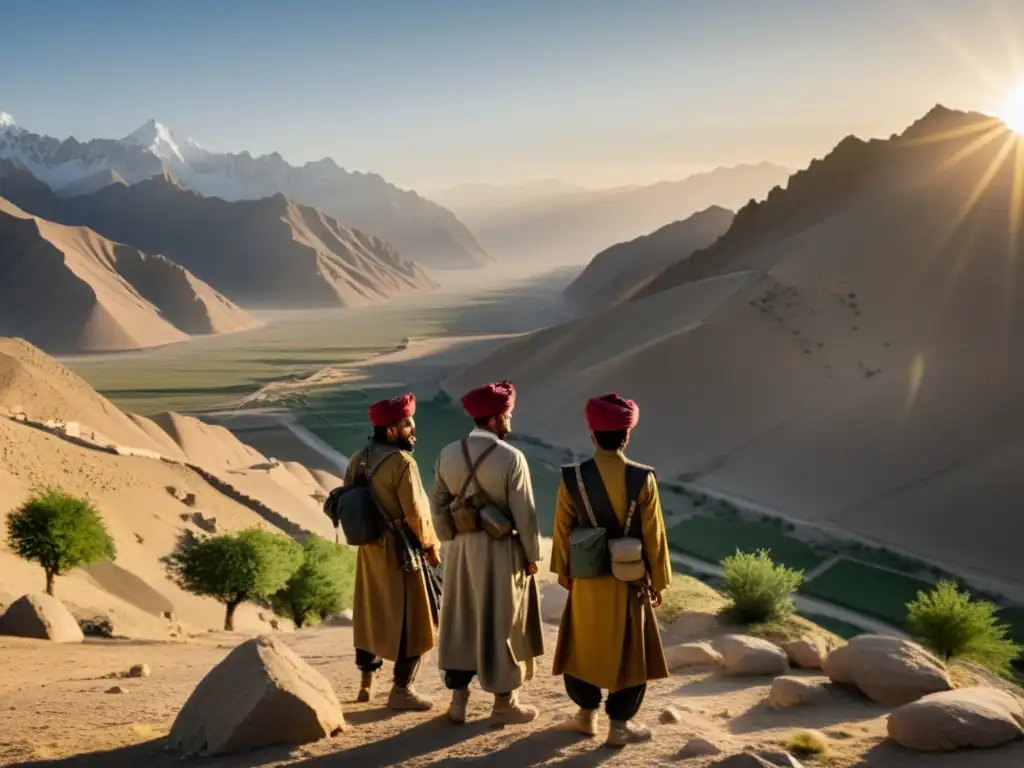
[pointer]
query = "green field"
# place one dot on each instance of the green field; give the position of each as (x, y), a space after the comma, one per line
(867, 589)
(837, 626)
(713, 538)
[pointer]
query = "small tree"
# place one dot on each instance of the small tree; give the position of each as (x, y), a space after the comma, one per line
(321, 586)
(759, 590)
(952, 624)
(250, 565)
(60, 532)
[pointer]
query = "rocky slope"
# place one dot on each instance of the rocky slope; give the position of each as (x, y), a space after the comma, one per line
(419, 228)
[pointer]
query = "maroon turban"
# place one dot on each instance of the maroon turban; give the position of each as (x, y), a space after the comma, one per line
(384, 413)
(610, 413)
(490, 400)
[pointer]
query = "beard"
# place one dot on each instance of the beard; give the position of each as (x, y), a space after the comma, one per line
(503, 432)
(405, 444)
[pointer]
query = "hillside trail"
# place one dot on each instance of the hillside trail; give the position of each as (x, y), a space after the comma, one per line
(55, 711)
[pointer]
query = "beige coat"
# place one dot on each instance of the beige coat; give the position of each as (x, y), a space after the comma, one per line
(384, 595)
(490, 607)
(609, 637)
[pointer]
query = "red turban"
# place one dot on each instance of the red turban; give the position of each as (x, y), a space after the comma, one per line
(490, 400)
(384, 413)
(610, 413)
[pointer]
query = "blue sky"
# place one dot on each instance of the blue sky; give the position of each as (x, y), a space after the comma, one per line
(436, 92)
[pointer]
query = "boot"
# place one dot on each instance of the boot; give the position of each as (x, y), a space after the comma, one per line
(408, 700)
(623, 732)
(584, 721)
(457, 709)
(508, 711)
(365, 687)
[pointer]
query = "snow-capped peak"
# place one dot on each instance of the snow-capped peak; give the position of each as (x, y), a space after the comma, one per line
(7, 124)
(161, 141)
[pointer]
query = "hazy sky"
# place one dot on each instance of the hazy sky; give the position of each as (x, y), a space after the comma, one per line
(430, 93)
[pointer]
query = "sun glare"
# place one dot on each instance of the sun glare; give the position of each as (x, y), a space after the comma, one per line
(1013, 110)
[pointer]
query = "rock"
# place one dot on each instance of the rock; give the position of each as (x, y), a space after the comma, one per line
(698, 748)
(139, 670)
(343, 619)
(743, 655)
(888, 670)
(189, 500)
(261, 694)
(42, 617)
(789, 692)
(552, 603)
(97, 626)
(208, 524)
(692, 655)
(959, 719)
(743, 760)
(806, 653)
(115, 689)
(670, 716)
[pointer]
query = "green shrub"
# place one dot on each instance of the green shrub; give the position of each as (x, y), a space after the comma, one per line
(759, 590)
(250, 565)
(60, 532)
(954, 625)
(807, 744)
(322, 585)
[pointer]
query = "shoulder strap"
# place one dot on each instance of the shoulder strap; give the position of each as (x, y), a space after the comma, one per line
(588, 492)
(368, 473)
(636, 479)
(473, 466)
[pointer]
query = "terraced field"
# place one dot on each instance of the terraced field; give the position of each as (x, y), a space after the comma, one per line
(713, 538)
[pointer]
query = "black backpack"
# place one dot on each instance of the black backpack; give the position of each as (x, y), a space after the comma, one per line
(355, 508)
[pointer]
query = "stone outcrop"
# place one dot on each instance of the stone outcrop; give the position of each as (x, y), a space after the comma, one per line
(888, 670)
(42, 617)
(692, 655)
(261, 694)
(789, 692)
(743, 655)
(807, 652)
(963, 718)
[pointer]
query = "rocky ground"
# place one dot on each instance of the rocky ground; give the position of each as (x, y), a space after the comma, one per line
(73, 705)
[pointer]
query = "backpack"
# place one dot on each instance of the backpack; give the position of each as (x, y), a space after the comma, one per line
(355, 507)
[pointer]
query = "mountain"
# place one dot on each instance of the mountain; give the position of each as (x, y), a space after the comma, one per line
(418, 228)
(270, 252)
(70, 290)
(541, 222)
(850, 353)
(618, 272)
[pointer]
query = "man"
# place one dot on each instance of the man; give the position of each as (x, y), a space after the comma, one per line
(392, 613)
(490, 610)
(608, 638)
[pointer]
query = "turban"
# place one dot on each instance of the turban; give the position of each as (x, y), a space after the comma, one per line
(384, 413)
(490, 400)
(610, 413)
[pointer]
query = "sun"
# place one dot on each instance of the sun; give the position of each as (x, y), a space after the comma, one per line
(1012, 112)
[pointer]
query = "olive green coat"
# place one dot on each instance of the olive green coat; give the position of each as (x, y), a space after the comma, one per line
(384, 595)
(608, 636)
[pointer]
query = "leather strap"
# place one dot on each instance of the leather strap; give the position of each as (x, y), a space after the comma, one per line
(473, 467)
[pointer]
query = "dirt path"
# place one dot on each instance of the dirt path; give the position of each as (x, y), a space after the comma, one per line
(54, 709)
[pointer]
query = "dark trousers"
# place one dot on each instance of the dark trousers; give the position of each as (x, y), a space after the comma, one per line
(621, 705)
(454, 679)
(405, 666)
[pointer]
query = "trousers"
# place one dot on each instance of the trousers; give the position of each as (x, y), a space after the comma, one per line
(405, 666)
(621, 705)
(454, 679)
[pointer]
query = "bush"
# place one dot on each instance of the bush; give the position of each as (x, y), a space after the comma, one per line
(954, 625)
(60, 532)
(759, 590)
(322, 585)
(250, 565)
(807, 744)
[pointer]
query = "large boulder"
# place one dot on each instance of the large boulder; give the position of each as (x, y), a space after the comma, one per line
(692, 655)
(744, 655)
(261, 694)
(966, 717)
(889, 670)
(807, 652)
(789, 692)
(42, 617)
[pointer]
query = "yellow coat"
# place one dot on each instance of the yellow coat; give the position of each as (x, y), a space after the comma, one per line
(383, 593)
(608, 637)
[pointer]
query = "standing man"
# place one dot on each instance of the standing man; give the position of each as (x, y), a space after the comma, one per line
(609, 638)
(490, 611)
(392, 613)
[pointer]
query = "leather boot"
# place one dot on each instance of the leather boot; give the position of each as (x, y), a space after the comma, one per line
(408, 700)
(508, 711)
(583, 721)
(365, 687)
(623, 732)
(457, 709)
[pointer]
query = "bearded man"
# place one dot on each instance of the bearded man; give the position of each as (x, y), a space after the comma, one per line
(483, 505)
(394, 617)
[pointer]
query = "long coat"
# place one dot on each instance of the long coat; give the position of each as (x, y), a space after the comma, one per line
(490, 606)
(608, 636)
(385, 597)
